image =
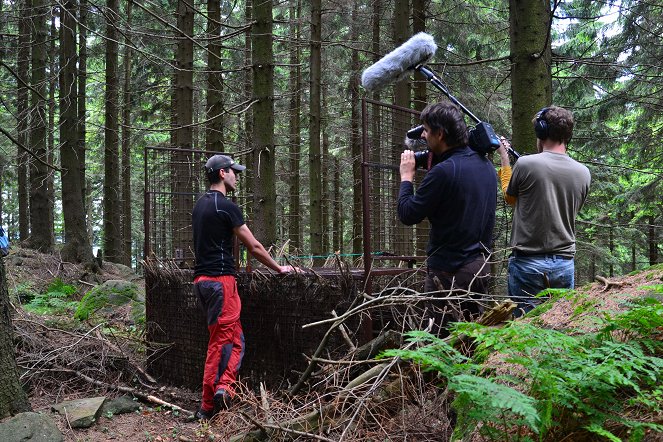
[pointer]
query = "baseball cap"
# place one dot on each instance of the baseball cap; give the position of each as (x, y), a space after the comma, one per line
(218, 162)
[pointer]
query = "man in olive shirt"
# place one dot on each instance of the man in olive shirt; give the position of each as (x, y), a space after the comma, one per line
(547, 189)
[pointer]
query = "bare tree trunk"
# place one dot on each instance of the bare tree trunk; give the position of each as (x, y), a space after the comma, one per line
(376, 231)
(82, 112)
(355, 131)
(294, 108)
(23, 125)
(52, 86)
(41, 235)
(214, 137)
(126, 147)
(420, 101)
(337, 227)
(531, 80)
(652, 241)
(264, 191)
(247, 185)
(13, 399)
(112, 200)
(77, 246)
(183, 201)
(402, 237)
(326, 169)
(315, 160)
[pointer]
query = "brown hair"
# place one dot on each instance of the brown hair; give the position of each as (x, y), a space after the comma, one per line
(446, 116)
(559, 122)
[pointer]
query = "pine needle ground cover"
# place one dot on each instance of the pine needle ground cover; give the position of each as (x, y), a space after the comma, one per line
(595, 375)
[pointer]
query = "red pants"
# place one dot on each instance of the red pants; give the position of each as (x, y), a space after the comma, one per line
(222, 306)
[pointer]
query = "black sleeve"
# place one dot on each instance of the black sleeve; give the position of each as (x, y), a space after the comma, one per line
(414, 208)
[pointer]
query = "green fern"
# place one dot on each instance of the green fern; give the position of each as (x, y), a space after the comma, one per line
(492, 403)
(56, 299)
(572, 381)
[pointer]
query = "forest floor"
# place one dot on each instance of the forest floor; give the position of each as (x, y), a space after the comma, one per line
(158, 423)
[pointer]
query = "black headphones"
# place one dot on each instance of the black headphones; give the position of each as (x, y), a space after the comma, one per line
(541, 125)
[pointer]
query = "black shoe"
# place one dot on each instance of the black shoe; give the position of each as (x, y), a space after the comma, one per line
(202, 415)
(221, 400)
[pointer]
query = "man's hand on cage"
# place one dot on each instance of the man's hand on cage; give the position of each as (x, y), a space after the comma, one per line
(290, 269)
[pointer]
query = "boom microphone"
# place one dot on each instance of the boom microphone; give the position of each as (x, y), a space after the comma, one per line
(396, 65)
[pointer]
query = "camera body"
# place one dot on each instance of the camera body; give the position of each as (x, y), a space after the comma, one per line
(421, 159)
(482, 139)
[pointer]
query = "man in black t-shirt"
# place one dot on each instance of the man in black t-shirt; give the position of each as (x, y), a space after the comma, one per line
(216, 219)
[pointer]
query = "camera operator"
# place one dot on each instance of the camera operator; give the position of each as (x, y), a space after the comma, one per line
(458, 196)
(547, 189)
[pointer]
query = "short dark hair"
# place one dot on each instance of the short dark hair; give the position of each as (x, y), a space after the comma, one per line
(448, 117)
(559, 122)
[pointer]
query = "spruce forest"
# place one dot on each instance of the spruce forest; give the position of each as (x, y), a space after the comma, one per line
(87, 87)
(93, 95)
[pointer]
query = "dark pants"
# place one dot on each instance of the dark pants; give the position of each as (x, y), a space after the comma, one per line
(469, 282)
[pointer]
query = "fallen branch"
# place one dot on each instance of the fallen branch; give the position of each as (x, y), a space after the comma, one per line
(132, 391)
(608, 284)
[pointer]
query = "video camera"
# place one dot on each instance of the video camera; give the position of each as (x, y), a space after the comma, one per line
(482, 139)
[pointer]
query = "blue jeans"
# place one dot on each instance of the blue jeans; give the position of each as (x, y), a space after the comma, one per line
(529, 275)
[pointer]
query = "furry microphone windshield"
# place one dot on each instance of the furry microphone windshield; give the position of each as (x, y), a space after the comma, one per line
(398, 63)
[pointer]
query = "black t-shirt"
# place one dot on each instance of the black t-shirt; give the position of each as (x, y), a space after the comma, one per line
(458, 196)
(214, 217)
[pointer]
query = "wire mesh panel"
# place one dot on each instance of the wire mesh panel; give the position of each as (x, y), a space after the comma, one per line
(274, 309)
(385, 237)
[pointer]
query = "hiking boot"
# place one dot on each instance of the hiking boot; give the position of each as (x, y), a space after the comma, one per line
(202, 415)
(221, 400)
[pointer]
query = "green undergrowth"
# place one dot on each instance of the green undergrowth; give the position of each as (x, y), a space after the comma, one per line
(59, 302)
(56, 300)
(549, 385)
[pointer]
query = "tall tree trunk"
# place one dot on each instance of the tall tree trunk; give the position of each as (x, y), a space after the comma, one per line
(183, 201)
(419, 25)
(23, 124)
(112, 200)
(41, 235)
(355, 130)
(214, 137)
(375, 176)
(315, 160)
(326, 170)
(295, 141)
(264, 199)
(247, 186)
(401, 34)
(402, 234)
(126, 147)
(52, 86)
(611, 245)
(531, 80)
(77, 246)
(13, 399)
(420, 101)
(652, 241)
(337, 224)
(82, 112)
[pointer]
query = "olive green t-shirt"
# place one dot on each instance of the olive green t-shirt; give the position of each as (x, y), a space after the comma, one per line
(551, 188)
